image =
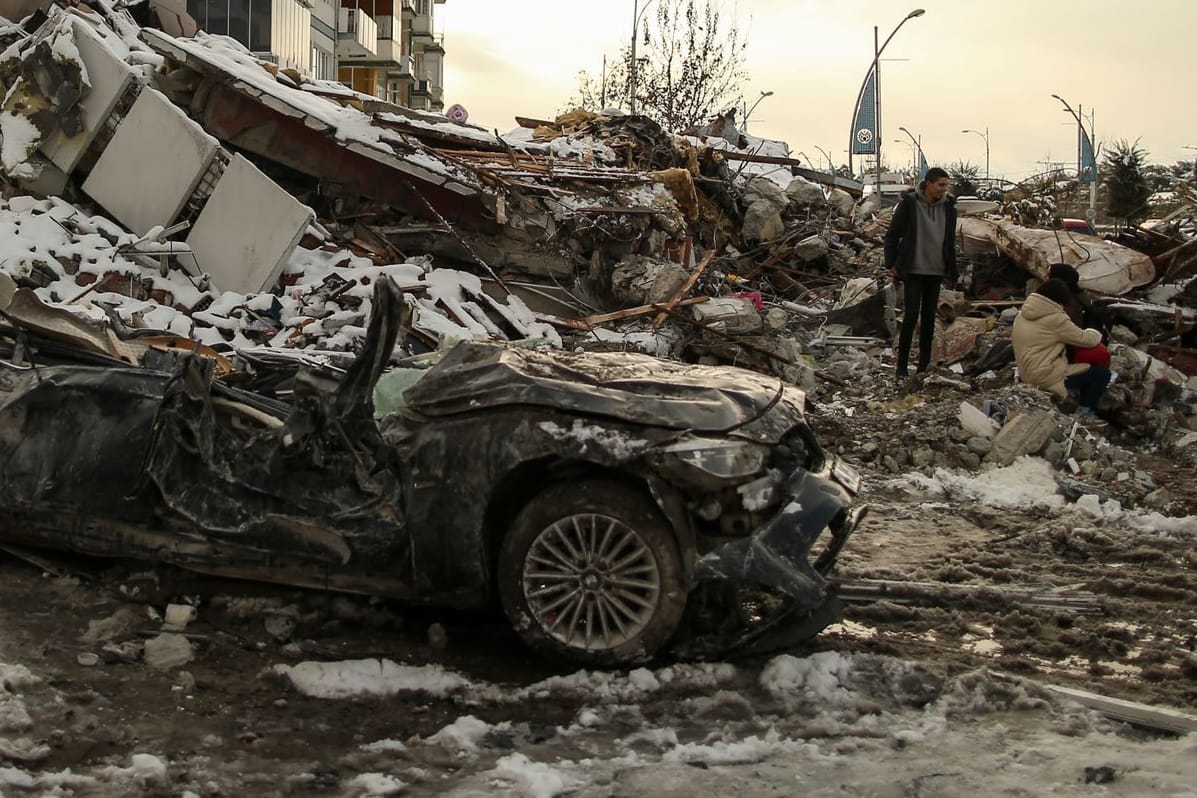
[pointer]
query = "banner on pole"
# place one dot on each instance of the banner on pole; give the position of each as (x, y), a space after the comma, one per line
(922, 166)
(1087, 168)
(864, 128)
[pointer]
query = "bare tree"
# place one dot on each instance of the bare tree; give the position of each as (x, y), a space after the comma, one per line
(690, 67)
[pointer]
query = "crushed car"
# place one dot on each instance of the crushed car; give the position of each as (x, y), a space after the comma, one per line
(616, 506)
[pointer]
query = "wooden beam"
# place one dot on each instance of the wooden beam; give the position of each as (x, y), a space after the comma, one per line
(773, 159)
(685, 289)
(627, 313)
(1132, 712)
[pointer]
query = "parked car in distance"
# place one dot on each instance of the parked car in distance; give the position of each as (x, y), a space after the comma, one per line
(1078, 226)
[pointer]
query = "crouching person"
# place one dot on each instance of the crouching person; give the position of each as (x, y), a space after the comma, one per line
(1042, 332)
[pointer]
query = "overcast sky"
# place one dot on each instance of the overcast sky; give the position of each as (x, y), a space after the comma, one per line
(963, 64)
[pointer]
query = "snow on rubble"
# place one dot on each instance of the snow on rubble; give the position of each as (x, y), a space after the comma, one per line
(91, 266)
(1030, 484)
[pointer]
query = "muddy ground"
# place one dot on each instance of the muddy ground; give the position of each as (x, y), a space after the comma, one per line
(928, 694)
(226, 727)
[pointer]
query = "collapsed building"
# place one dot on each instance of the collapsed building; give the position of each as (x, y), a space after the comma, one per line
(156, 182)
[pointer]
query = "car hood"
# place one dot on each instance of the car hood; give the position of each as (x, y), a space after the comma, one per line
(628, 387)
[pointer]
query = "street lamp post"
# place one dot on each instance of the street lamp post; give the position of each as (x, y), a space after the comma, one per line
(827, 155)
(748, 113)
(918, 148)
(1081, 127)
(985, 136)
(875, 70)
(637, 13)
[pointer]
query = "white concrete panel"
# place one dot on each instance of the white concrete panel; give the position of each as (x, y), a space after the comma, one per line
(152, 165)
(248, 229)
(109, 77)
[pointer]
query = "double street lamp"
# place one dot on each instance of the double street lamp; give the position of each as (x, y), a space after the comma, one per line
(827, 155)
(875, 71)
(920, 159)
(985, 136)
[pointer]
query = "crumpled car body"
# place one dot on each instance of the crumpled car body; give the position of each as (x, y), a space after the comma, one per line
(617, 506)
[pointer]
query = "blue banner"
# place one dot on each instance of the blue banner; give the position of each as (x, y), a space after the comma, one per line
(922, 166)
(1087, 168)
(864, 126)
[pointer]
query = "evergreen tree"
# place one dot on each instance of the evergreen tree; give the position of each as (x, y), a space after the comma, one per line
(1127, 188)
(964, 178)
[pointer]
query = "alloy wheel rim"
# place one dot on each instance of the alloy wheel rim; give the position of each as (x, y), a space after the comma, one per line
(591, 582)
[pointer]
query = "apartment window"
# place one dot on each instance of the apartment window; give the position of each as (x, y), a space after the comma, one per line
(259, 26)
(323, 66)
(386, 27)
(247, 21)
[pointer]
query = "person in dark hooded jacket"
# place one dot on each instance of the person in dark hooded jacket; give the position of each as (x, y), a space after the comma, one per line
(920, 252)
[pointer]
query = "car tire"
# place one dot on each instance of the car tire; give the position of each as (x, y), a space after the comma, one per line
(590, 571)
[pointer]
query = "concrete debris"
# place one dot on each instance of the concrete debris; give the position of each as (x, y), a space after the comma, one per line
(1025, 434)
(804, 194)
(762, 223)
(642, 281)
(168, 651)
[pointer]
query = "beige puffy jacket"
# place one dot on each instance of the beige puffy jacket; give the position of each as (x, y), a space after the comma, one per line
(1041, 331)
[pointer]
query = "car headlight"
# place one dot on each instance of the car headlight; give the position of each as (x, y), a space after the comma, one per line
(709, 462)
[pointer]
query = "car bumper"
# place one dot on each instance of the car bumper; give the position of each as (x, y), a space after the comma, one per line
(778, 555)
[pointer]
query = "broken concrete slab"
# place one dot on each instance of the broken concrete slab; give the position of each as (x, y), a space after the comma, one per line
(811, 249)
(1104, 266)
(1026, 433)
(762, 188)
(802, 194)
(643, 281)
(167, 151)
(977, 424)
(248, 228)
(841, 202)
(243, 104)
(730, 315)
(108, 78)
(762, 223)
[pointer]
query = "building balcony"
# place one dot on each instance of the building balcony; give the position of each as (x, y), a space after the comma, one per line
(357, 35)
(421, 25)
(403, 66)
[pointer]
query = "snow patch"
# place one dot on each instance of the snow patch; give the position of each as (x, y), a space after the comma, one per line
(366, 677)
(1027, 483)
(532, 779)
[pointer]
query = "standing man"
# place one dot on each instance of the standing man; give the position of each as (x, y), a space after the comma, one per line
(920, 251)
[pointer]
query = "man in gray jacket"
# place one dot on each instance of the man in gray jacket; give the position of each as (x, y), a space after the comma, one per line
(920, 251)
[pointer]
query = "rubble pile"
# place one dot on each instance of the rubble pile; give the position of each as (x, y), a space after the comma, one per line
(157, 183)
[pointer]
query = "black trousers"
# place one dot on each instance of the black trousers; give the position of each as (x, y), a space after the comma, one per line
(921, 298)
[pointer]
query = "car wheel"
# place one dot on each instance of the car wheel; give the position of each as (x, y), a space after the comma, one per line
(591, 571)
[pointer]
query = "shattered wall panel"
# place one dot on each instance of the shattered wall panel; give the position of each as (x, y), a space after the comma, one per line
(109, 77)
(247, 230)
(152, 165)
